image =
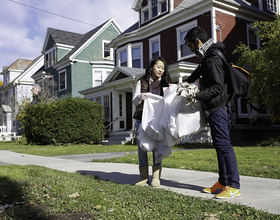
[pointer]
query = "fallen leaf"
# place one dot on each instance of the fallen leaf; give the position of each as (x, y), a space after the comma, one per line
(75, 195)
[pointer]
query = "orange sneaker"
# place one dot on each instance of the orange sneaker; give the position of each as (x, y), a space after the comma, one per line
(228, 192)
(216, 188)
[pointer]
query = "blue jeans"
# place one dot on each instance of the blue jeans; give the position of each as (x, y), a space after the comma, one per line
(142, 155)
(219, 122)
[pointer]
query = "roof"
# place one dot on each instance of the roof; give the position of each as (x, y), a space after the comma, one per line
(19, 64)
(84, 39)
(65, 37)
(130, 70)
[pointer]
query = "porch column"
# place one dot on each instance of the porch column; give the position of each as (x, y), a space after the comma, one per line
(115, 110)
(132, 86)
(129, 56)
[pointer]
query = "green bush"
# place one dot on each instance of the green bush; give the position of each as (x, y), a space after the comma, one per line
(73, 120)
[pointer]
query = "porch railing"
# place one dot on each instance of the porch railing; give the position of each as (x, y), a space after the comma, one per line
(3, 129)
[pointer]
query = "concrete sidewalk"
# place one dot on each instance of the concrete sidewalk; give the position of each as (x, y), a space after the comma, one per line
(260, 193)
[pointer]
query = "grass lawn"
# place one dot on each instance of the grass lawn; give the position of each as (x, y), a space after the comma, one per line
(33, 192)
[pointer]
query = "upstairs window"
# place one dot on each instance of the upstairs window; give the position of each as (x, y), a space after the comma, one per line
(50, 58)
(154, 8)
(146, 15)
(124, 58)
(136, 57)
(131, 55)
(106, 50)
(154, 46)
(155, 49)
(272, 5)
(183, 50)
(98, 78)
(163, 6)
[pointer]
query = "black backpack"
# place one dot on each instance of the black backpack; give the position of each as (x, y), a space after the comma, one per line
(236, 78)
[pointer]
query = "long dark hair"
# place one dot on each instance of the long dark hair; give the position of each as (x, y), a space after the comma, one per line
(165, 78)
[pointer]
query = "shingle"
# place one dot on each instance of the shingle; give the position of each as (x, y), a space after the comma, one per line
(65, 37)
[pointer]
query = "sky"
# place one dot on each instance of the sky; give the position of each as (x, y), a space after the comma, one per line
(23, 23)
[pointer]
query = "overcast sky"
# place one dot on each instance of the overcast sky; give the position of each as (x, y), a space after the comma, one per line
(23, 23)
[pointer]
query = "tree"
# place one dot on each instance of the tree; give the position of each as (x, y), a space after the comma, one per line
(264, 66)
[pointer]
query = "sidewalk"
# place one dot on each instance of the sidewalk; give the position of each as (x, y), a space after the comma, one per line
(260, 193)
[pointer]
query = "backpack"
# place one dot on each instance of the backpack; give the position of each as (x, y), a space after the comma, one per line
(236, 78)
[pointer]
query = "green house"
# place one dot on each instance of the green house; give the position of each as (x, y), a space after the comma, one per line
(74, 62)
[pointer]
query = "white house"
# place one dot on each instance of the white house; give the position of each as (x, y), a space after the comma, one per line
(16, 88)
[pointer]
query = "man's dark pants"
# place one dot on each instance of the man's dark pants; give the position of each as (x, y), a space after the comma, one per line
(219, 122)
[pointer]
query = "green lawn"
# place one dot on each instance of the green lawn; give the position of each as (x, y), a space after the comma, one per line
(34, 192)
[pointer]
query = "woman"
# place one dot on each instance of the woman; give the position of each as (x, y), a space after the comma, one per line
(153, 81)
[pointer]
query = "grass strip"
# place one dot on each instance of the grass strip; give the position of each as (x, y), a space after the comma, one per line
(41, 193)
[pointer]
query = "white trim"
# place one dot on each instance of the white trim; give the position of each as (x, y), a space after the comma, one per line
(178, 32)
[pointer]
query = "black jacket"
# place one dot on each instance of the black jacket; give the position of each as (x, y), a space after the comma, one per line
(214, 89)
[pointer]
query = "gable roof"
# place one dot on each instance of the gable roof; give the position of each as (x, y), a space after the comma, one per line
(86, 37)
(62, 37)
(19, 64)
(26, 69)
(121, 72)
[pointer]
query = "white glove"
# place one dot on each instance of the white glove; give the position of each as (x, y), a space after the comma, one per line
(142, 96)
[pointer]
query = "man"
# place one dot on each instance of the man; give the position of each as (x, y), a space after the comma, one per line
(216, 100)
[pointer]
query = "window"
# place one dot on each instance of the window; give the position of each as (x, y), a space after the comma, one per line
(98, 78)
(106, 106)
(47, 60)
(154, 8)
(106, 50)
(163, 6)
(54, 56)
(98, 99)
(50, 58)
(136, 57)
(182, 48)
(272, 5)
(154, 46)
(253, 40)
(124, 58)
(131, 55)
(146, 15)
(62, 80)
(155, 49)
(185, 50)
(120, 105)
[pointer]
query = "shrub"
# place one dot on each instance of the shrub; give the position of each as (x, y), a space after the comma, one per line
(73, 120)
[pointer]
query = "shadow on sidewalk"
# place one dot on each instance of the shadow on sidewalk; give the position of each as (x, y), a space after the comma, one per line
(131, 178)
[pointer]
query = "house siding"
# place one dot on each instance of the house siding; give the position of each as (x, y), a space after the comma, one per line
(68, 91)
(60, 53)
(82, 77)
(94, 50)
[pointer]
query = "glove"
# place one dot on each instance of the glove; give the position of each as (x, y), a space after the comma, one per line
(142, 96)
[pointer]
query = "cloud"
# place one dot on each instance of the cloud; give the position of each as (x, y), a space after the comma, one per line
(23, 28)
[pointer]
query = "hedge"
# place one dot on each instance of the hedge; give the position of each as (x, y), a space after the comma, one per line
(73, 120)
